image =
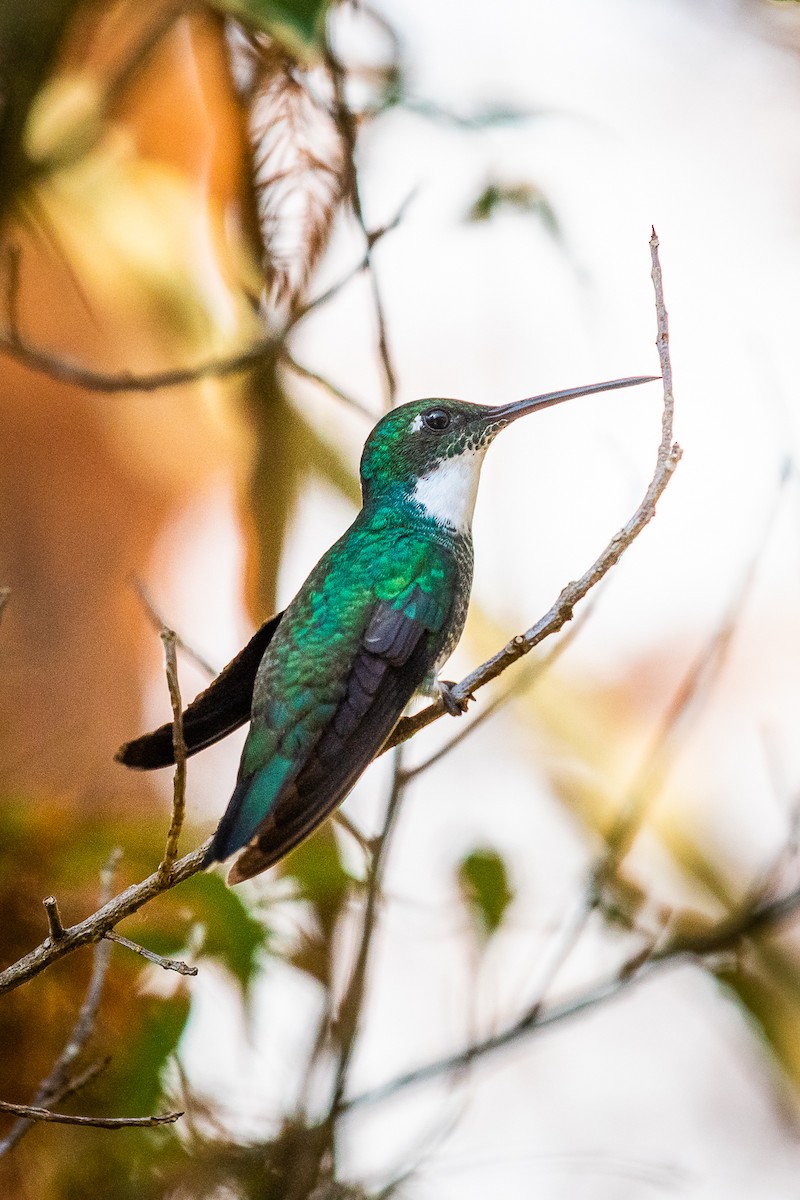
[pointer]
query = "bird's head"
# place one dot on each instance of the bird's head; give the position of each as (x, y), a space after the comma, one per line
(430, 452)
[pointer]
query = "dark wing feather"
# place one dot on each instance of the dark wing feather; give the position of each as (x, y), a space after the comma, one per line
(391, 662)
(216, 712)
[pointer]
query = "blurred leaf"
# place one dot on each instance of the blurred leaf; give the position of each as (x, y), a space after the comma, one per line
(232, 935)
(323, 882)
(30, 35)
(274, 483)
(518, 197)
(483, 879)
(774, 1009)
(66, 119)
(134, 1075)
(312, 956)
(297, 24)
(325, 460)
(130, 229)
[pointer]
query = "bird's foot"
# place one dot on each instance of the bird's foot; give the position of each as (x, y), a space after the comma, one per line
(454, 705)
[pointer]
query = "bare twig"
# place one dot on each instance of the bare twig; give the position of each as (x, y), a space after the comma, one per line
(668, 457)
(98, 924)
(179, 748)
(723, 936)
(31, 1113)
(53, 918)
(655, 763)
(60, 1083)
(169, 964)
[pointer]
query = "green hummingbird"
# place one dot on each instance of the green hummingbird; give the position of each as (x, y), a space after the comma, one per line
(325, 682)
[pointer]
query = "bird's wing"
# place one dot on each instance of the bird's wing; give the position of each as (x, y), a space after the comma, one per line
(297, 792)
(216, 712)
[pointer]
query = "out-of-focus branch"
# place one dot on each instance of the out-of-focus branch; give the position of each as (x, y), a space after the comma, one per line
(346, 121)
(668, 457)
(158, 623)
(31, 1113)
(726, 935)
(179, 749)
(67, 370)
(329, 387)
(350, 1010)
(98, 924)
(5, 596)
(60, 1082)
(682, 709)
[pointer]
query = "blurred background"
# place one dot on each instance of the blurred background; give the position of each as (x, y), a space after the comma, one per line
(373, 203)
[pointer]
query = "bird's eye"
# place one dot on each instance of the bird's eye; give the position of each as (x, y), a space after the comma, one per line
(437, 419)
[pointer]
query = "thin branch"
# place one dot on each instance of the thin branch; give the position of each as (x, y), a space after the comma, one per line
(98, 924)
(5, 596)
(169, 964)
(668, 457)
(179, 748)
(158, 623)
(655, 763)
(31, 1113)
(329, 387)
(726, 935)
(82, 1079)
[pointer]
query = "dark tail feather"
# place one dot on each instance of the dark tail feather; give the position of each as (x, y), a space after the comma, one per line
(216, 712)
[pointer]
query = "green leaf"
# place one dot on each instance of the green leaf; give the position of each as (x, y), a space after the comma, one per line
(518, 197)
(317, 867)
(231, 934)
(298, 24)
(483, 879)
(134, 1075)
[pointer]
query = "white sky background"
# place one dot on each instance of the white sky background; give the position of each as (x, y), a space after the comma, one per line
(684, 115)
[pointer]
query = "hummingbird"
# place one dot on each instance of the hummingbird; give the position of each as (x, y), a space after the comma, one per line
(324, 682)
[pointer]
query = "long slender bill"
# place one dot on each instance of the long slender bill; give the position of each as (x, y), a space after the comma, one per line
(510, 412)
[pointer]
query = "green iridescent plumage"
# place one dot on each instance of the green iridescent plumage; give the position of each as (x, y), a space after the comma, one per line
(362, 635)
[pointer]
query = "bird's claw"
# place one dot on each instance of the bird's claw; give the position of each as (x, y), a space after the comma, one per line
(455, 706)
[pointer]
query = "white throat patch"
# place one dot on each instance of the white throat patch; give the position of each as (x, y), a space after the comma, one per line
(448, 492)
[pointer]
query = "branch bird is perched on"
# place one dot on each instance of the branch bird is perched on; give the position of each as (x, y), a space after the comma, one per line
(325, 682)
